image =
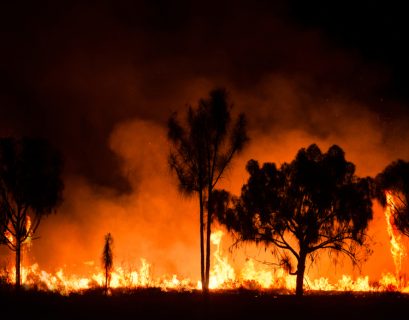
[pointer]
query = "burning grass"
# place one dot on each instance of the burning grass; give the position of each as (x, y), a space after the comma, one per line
(253, 276)
(224, 278)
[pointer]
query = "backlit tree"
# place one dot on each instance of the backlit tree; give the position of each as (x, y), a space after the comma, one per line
(314, 203)
(30, 189)
(202, 149)
(107, 259)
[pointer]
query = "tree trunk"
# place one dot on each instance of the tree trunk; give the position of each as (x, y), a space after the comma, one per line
(299, 290)
(202, 262)
(18, 263)
(106, 280)
(208, 233)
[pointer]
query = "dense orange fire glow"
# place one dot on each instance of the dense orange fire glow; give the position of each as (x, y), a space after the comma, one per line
(397, 248)
(27, 242)
(9, 236)
(253, 275)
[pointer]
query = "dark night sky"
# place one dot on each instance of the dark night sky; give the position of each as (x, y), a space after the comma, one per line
(71, 71)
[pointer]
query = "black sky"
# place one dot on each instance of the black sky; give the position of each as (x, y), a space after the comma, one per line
(71, 71)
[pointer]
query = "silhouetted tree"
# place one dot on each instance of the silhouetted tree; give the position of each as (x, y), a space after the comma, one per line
(315, 202)
(395, 179)
(201, 151)
(30, 189)
(107, 259)
(3, 224)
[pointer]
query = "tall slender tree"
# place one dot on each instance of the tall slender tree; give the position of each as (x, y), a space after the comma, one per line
(107, 259)
(201, 151)
(316, 202)
(395, 180)
(4, 221)
(30, 189)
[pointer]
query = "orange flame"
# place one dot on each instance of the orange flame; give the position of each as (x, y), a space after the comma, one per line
(222, 276)
(397, 248)
(11, 238)
(222, 272)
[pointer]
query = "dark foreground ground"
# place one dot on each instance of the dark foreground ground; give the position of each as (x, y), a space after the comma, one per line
(153, 304)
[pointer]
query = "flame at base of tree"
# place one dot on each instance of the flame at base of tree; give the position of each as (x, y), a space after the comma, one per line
(223, 276)
(397, 247)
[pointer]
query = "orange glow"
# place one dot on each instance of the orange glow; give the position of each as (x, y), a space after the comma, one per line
(223, 277)
(397, 248)
(11, 238)
(28, 242)
(222, 273)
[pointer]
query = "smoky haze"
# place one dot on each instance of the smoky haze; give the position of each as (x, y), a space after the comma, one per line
(100, 81)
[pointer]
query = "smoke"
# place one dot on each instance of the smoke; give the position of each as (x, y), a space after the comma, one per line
(100, 83)
(153, 222)
(157, 223)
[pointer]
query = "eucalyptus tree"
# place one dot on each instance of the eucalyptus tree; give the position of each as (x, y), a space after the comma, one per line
(314, 203)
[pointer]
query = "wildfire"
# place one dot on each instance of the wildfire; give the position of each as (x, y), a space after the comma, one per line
(253, 275)
(221, 273)
(397, 248)
(10, 237)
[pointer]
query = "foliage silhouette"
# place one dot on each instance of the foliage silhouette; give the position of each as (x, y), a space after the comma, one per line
(201, 150)
(107, 259)
(315, 202)
(30, 189)
(395, 180)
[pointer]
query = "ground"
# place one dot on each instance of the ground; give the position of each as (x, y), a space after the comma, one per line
(154, 304)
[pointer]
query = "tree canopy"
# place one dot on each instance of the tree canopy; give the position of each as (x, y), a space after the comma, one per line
(315, 202)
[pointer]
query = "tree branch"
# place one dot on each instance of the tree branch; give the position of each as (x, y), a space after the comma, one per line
(289, 247)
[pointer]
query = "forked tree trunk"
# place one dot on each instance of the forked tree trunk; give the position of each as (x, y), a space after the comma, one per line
(299, 290)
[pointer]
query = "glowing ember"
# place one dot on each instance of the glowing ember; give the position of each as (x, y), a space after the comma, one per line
(397, 248)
